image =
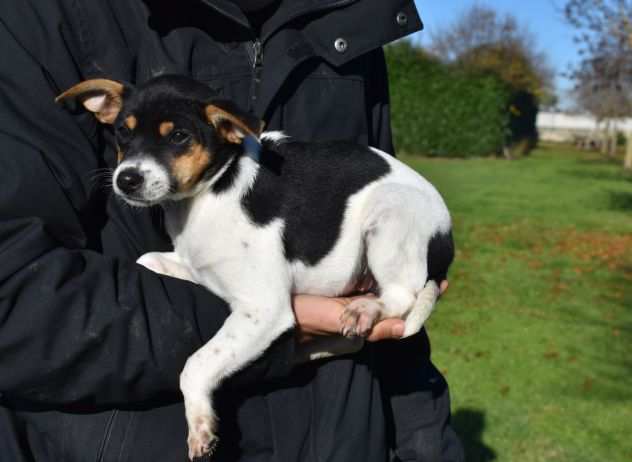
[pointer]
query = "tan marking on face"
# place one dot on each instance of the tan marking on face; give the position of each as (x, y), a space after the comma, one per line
(188, 168)
(119, 157)
(165, 128)
(131, 122)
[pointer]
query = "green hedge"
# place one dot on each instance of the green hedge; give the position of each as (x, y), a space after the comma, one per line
(438, 110)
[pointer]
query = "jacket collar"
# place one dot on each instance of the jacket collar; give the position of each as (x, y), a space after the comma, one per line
(230, 10)
(287, 11)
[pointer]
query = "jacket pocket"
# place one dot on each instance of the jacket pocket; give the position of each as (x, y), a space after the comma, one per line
(331, 105)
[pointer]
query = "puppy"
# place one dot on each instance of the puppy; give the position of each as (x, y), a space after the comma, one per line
(256, 217)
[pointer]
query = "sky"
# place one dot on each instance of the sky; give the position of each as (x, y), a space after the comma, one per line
(542, 17)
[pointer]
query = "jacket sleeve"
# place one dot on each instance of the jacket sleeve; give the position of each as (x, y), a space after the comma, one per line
(77, 326)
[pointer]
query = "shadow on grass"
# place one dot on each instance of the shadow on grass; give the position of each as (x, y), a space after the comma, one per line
(599, 159)
(599, 168)
(609, 376)
(606, 174)
(470, 425)
(621, 201)
(622, 328)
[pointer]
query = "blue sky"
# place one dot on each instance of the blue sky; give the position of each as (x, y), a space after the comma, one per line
(542, 17)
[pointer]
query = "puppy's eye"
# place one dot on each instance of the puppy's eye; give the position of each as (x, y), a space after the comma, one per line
(179, 137)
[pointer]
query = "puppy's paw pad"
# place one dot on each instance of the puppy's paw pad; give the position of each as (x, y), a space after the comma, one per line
(359, 317)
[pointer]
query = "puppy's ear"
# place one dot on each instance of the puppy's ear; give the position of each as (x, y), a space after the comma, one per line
(102, 97)
(232, 123)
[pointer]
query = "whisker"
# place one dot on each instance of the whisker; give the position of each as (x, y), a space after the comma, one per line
(101, 179)
(101, 174)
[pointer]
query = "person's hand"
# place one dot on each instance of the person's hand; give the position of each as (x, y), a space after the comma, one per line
(320, 316)
(444, 286)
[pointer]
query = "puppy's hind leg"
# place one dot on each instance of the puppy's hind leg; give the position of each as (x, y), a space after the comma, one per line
(396, 249)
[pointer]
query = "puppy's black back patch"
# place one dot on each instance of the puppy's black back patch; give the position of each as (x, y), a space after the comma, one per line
(308, 185)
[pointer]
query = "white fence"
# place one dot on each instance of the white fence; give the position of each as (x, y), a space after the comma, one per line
(562, 127)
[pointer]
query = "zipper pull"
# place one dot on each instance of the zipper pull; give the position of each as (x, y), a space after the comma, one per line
(257, 48)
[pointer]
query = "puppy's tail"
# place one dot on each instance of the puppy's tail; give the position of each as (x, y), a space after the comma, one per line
(422, 308)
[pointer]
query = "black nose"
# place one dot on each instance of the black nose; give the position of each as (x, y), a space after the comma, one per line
(129, 180)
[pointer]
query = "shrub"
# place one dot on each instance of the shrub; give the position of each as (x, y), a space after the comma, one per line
(442, 110)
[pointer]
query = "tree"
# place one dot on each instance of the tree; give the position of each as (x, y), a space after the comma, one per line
(481, 39)
(607, 100)
(604, 75)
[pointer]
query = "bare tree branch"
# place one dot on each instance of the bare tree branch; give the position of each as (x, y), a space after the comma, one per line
(604, 76)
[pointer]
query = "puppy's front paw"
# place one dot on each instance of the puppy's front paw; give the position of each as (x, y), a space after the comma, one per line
(202, 439)
(360, 316)
(202, 424)
(201, 419)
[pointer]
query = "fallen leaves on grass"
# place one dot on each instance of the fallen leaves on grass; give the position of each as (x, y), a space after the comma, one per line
(552, 355)
(610, 249)
(613, 250)
(458, 329)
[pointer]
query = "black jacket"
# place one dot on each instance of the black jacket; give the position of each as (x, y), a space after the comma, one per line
(91, 345)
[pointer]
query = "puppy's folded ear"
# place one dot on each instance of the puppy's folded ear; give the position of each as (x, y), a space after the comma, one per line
(232, 123)
(102, 97)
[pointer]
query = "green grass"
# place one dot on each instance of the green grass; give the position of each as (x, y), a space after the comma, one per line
(535, 334)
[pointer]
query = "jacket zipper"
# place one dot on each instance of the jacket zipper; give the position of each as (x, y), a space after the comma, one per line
(257, 67)
(257, 49)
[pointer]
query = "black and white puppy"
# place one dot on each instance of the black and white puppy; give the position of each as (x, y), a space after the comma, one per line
(256, 217)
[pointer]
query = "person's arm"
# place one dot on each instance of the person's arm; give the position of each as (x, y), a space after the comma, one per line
(76, 326)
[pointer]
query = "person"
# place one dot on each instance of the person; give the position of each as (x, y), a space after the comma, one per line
(92, 344)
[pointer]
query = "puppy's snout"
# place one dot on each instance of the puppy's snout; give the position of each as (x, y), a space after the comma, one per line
(130, 180)
(141, 181)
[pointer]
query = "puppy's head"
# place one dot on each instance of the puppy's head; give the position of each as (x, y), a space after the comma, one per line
(172, 137)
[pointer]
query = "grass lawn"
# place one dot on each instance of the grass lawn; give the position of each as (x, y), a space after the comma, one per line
(535, 334)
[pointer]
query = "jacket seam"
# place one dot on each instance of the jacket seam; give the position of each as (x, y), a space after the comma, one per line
(106, 437)
(84, 39)
(125, 436)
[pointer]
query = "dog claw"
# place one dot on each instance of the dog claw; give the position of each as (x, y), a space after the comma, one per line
(205, 458)
(348, 332)
(202, 441)
(202, 449)
(348, 321)
(358, 318)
